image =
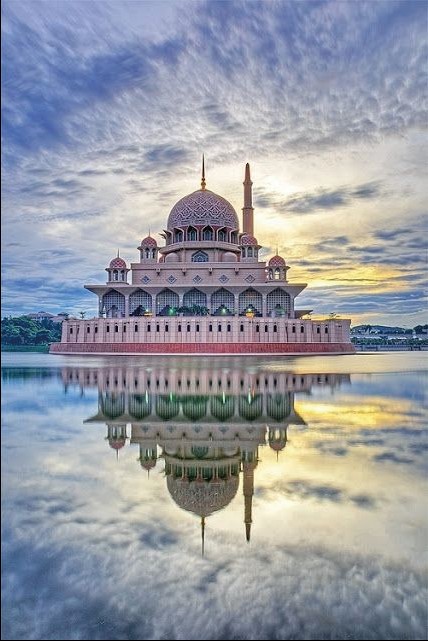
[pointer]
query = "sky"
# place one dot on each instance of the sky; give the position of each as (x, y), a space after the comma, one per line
(108, 107)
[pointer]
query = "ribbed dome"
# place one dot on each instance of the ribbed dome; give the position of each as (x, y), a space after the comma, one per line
(247, 239)
(148, 242)
(277, 261)
(203, 207)
(202, 497)
(117, 263)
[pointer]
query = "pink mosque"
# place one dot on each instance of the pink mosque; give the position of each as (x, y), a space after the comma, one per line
(204, 291)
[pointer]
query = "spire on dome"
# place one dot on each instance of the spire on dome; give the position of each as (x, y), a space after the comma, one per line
(203, 173)
(118, 253)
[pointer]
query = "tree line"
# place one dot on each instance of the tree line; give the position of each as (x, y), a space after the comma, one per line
(27, 331)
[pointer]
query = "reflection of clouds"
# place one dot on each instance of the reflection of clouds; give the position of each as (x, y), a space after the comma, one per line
(300, 489)
(134, 590)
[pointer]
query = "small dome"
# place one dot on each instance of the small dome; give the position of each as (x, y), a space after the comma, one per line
(148, 242)
(117, 263)
(228, 257)
(277, 261)
(247, 239)
(171, 258)
(203, 207)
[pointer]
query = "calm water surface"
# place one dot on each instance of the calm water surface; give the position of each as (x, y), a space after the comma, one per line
(225, 498)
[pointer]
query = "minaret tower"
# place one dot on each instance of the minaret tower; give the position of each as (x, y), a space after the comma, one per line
(248, 209)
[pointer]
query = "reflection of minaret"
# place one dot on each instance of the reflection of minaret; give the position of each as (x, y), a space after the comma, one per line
(148, 456)
(277, 439)
(116, 436)
(249, 464)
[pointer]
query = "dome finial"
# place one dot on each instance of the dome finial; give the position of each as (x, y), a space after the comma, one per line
(203, 173)
(118, 253)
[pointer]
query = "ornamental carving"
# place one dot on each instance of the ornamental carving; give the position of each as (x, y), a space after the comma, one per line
(203, 207)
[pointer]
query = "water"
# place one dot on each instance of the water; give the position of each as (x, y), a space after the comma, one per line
(228, 498)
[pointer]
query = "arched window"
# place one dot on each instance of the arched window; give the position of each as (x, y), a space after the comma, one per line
(244, 252)
(139, 303)
(113, 304)
(178, 236)
(278, 303)
(207, 233)
(250, 300)
(200, 257)
(222, 303)
(277, 273)
(192, 234)
(122, 275)
(166, 303)
(195, 301)
(249, 252)
(222, 235)
(115, 275)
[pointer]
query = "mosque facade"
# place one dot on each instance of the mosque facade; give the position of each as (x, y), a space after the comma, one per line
(205, 291)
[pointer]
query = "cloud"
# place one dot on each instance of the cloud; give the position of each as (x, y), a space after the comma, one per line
(107, 111)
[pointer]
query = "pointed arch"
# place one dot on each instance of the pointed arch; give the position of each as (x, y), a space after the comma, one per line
(222, 303)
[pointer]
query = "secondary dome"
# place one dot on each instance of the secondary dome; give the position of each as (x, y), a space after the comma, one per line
(277, 261)
(117, 263)
(247, 239)
(148, 242)
(203, 207)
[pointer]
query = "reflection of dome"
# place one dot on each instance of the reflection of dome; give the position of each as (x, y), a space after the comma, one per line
(117, 445)
(148, 464)
(148, 242)
(202, 497)
(277, 446)
(117, 263)
(277, 261)
(247, 239)
(203, 207)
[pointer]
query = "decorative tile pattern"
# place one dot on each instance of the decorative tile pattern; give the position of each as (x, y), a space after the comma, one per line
(171, 279)
(145, 279)
(250, 279)
(203, 208)
(223, 278)
(197, 279)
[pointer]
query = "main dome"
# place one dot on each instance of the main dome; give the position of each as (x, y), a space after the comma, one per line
(203, 207)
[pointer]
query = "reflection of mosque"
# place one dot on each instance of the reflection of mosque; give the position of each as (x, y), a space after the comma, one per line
(208, 425)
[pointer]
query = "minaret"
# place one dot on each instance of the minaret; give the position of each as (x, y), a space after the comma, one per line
(248, 209)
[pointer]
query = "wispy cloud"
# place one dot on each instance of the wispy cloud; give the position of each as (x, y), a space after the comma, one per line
(106, 111)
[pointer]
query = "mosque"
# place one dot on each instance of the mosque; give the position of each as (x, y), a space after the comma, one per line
(205, 291)
(203, 427)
